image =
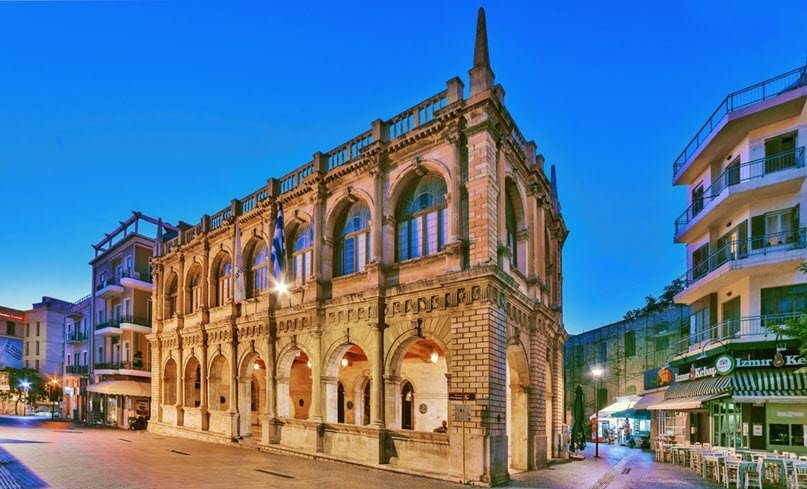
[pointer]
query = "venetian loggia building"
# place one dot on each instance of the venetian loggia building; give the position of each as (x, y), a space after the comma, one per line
(424, 270)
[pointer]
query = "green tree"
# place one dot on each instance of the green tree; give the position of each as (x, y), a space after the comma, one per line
(36, 392)
(795, 328)
(653, 304)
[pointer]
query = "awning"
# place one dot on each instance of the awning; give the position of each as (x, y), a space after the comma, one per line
(632, 414)
(122, 388)
(773, 385)
(649, 399)
(686, 403)
(621, 404)
(699, 388)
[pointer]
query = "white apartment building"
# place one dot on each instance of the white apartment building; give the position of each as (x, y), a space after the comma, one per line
(744, 233)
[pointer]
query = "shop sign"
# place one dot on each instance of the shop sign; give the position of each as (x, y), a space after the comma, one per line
(696, 373)
(790, 414)
(778, 360)
(724, 364)
(757, 429)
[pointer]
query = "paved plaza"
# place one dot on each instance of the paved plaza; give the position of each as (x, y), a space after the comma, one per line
(37, 453)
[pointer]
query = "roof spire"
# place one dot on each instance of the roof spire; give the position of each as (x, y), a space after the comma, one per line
(481, 75)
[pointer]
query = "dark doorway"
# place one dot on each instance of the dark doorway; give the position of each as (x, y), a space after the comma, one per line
(366, 414)
(340, 403)
(407, 406)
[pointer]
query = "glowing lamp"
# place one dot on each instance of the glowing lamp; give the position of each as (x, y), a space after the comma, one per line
(281, 288)
(596, 372)
(434, 357)
(309, 364)
(345, 363)
(256, 366)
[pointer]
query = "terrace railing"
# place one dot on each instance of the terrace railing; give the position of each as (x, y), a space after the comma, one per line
(744, 327)
(734, 175)
(743, 98)
(76, 336)
(744, 248)
(77, 369)
(108, 282)
(136, 275)
(138, 320)
(112, 323)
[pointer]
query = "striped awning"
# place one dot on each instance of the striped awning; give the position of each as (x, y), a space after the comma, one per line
(708, 386)
(759, 385)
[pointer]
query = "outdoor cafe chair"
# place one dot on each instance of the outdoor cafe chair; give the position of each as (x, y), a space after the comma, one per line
(799, 476)
(753, 476)
(731, 470)
(711, 462)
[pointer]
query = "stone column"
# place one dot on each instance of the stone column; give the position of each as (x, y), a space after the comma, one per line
(283, 398)
(331, 401)
(392, 384)
(156, 377)
(182, 291)
(501, 200)
(204, 387)
(315, 413)
(537, 397)
(377, 229)
(455, 191)
(206, 285)
(377, 394)
(268, 434)
(180, 386)
(233, 391)
(558, 401)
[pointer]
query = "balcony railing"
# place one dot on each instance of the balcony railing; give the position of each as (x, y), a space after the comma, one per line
(744, 248)
(136, 275)
(140, 321)
(737, 174)
(107, 365)
(112, 323)
(743, 328)
(107, 282)
(76, 336)
(737, 100)
(127, 365)
(77, 369)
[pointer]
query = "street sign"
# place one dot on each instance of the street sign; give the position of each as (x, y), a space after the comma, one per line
(462, 396)
(462, 412)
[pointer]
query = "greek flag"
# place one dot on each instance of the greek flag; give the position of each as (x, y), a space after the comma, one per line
(238, 269)
(278, 248)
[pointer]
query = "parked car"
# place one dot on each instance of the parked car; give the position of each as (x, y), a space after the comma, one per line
(639, 439)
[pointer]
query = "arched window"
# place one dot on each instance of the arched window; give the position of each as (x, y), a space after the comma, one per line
(302, 258)
(195, 290)
(353, 240)
(171, 296)
(421, 219)
(260, 269)
(224, 278)
(512, 230)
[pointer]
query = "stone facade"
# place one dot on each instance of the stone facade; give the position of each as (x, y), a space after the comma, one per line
(356, 360)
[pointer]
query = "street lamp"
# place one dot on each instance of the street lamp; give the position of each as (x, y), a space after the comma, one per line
(597, 373)
(53, 383)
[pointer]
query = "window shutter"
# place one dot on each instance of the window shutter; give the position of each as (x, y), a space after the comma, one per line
(757, 232)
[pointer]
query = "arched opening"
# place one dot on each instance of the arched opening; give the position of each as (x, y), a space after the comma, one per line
(422, 394)
(349, 366)
(294, 384)
(193, 295)
(352, 240)
(219, 384)
(252, 394)
(515, 225)
(257, 273)
(517, 378)
(550, 433)
(340, 402)
(171, 294)
(170, 382)
(407, 406)
(421, 219)
(222, 278)
(193, 383)
(302, 258)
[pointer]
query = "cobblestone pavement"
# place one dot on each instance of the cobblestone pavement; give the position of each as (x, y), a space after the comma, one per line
(37, 453)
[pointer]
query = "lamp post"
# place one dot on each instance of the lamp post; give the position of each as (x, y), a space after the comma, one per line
(25, 386)
(52, 384)
(597, 373)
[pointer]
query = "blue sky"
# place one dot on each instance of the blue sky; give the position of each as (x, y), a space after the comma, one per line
(173, 108)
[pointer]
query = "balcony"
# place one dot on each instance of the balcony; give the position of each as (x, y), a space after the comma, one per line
(108, 288)
(135, 280)
(136, 367)
(770, 253)
(739, 330)
(773, 100)
(77, 337)
(108, 328)
(137, 324)
(773, 175)
(77, 369)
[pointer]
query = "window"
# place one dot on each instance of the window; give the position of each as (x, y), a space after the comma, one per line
(129, 264)
(224, 281)
(733, 245)
(260, 269)
(353, 240)
(700, 262)
(421, 219)
(302, 259)
(774, 228)
(699, 323)
(68, 359)
(662, 343)
(119, 271)
(37, 347)
(630, 343)
(697, 199)
(127, 307)
(100, 354)
(27, 329)
(195, 292)
(10, 326)
(784, 300)
(37, 328)
(733, 173)
(510, 225)
(37, 363)
(84, 354)
(84, 324)
(27, 347)
(117, 315)
(171, 297)
(780, 152)
(602, 349)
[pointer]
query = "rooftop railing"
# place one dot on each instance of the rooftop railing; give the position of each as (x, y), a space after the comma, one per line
(743, 98)
(136, 275)
(734, 175)
(744, 248)
(745, 328)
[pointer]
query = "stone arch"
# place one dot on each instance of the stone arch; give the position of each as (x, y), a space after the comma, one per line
(170, 294)
(516, 224)
(169, 382)
(252, 390)
(348, 363)
(361, 400)
(437, 329)
(403, 180)
(518, 381)
(192, 287)
(219, 378)
(253, 245)
(220, 284)
(294, 381)
(192, 380)
(343, 204)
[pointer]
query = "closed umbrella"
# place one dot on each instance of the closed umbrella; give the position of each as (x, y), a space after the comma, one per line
(579, 421)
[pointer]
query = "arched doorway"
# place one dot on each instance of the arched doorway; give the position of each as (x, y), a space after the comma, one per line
(517, 378)
(170, 383)
(365, 418)
(219, 384)
(193, 383)
(252, 394)
(407, 406)
(340, 403)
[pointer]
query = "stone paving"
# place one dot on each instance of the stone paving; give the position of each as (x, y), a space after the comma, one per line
(36, 453)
